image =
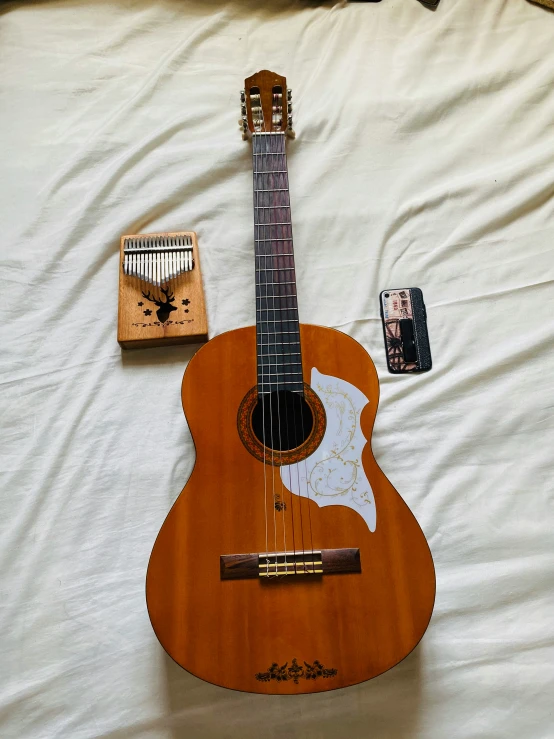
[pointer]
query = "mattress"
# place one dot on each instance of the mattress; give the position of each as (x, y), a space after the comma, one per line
(424, 157)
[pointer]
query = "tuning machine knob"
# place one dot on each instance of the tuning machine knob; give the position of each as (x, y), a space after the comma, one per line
(290, 131)
(243, 125)
(242, 96)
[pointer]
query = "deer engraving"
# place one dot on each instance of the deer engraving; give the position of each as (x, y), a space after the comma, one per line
(164, 306)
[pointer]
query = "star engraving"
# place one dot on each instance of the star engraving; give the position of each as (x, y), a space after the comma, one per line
(147, 312)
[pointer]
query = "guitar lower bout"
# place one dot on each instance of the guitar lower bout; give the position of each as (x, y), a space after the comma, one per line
(299, 575)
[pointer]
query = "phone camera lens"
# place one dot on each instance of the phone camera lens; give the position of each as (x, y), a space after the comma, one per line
(386, 295)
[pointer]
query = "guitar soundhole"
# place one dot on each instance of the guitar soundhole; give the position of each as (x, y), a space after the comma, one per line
(282, 420)
(281, 428)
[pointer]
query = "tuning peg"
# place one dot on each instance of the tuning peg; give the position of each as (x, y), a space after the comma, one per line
(243, 110)
(242, 96)
(289, 94)
(289, 107)
(290, 132)
(243, 125)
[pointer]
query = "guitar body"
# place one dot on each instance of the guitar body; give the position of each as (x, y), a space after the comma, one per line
(287, 634)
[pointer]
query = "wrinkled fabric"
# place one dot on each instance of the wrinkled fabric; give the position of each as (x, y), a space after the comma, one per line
(424, 157)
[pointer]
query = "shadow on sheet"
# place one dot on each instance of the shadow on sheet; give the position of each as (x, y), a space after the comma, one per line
(387, 706)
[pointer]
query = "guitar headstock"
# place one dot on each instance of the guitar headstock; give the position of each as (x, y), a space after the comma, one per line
(266, 105)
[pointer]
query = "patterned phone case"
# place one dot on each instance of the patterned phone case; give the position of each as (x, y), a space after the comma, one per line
(405, 330)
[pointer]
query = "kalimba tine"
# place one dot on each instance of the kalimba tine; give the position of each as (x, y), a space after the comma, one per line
(161, 300)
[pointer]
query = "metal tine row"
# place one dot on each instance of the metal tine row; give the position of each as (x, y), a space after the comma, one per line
(157, 259)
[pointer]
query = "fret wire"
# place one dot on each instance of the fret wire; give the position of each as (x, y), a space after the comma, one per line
(281, 295)
(270, 387)
(280, 374)
(285, 364)
(279, 310)
(290, 354)
(273, 385)
(275, 269)
(293, 282)
(299, 390)
(282, 382)
(267, 283)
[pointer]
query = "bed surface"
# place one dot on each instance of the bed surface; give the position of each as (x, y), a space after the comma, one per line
(424, 157)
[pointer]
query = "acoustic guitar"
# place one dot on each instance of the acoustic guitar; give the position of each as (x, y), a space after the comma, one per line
(289, 563)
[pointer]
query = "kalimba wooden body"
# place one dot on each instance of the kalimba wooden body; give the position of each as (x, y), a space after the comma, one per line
(161, 299)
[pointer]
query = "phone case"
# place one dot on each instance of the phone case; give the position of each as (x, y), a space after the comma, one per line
(405, 330)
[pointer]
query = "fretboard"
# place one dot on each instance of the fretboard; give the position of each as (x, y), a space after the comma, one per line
(277, 328)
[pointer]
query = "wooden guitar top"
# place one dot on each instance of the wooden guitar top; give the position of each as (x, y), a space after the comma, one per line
(289, 633)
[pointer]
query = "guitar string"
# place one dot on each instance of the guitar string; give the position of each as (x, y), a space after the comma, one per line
(289, 298)
(285, 297)
(275, 262)
(260, 343)
(265, 141)
(288, 249)
(272, 152)
(262, 142)
(290, 308)
(293, 279)
(276, 232)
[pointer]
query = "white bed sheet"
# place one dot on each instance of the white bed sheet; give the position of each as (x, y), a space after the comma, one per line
(425, 156)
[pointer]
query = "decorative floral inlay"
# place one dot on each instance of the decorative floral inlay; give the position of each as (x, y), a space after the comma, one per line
(280, 505)
(334, 474)
(295, 672)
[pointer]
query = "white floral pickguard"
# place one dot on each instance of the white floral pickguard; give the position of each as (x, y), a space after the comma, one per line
(333, 474)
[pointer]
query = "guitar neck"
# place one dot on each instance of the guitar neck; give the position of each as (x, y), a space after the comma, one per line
(277, 325)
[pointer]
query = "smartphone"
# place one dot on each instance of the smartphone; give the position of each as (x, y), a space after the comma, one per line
(404, 321)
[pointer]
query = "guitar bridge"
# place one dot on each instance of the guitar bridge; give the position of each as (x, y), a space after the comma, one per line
(306, 562)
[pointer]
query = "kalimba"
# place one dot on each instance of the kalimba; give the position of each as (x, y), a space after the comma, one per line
(161, 300)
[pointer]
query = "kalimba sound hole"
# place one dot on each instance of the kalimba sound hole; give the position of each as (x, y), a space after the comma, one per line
(282, 420)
